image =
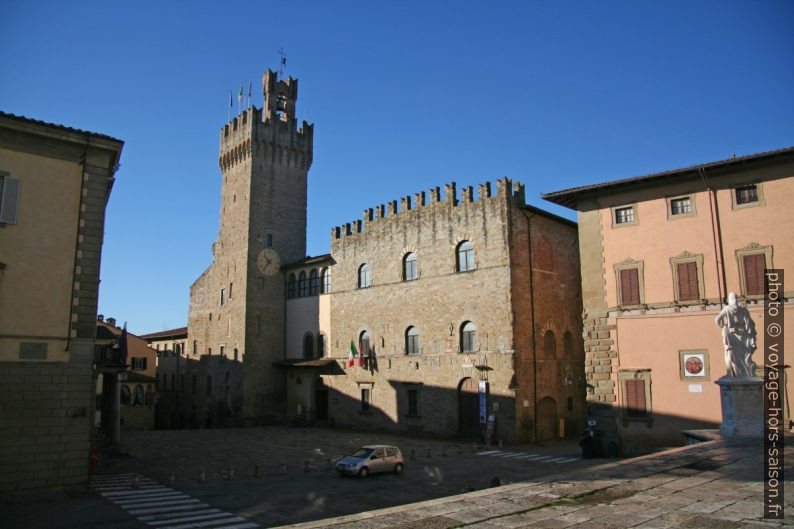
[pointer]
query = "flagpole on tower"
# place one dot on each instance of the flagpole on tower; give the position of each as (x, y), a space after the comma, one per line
(283, 62)
(249, 92)
(231, 104)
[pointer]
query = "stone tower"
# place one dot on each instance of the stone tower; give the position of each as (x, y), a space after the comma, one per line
(237, 305)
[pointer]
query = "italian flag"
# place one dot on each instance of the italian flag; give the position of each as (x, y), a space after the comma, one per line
(351, 357)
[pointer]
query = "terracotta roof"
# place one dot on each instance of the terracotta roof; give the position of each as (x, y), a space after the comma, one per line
(179, 331)
(570, 197)
(57, 126)
(308, 260)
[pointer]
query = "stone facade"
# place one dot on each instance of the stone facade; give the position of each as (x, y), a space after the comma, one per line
(432, 387)
(237, 305)
(709, 219)
(61, 180)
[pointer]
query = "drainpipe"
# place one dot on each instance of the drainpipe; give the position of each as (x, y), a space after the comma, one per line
(533, 343)
(716, 233)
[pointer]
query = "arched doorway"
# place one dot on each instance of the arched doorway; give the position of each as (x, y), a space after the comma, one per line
(468, 407)
(320, 400)
(547, 419)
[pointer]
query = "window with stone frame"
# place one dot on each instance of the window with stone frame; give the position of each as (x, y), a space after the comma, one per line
(409, 267)
(302, 285)
(630, 286)
(364, 344)
(326, 280)
(680, 206)
(635, 388)
(468, 337)
(624, 215)
(314, 284)
(688, 286)
(754, 265)
(364, 277)
(746, 194)
(412, 341)
(366, 400)
(465, 256)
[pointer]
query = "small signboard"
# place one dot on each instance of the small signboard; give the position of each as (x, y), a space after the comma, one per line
(696, 388)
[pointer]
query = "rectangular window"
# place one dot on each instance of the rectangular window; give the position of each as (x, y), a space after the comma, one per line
(195, 347)
(687, 273)
(754, 265)
(624, 215)
(269, 240)
(681, 206)
(746, 194)
(138, 363)
(9, 199)
(413, 402)
(223, 350)
(635, 398)
(412, 344)
(630, 286)
(209, 385)
(365, 399)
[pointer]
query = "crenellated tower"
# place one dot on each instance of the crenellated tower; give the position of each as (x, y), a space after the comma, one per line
(237, 305)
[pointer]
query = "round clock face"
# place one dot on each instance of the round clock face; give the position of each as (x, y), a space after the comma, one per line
(268, 261)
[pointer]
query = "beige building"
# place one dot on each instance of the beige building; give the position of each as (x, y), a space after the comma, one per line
(54, 186)
(659, 255)
(137, 383)
(459, 319)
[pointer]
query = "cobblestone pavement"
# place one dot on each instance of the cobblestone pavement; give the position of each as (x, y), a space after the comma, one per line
(710, 485)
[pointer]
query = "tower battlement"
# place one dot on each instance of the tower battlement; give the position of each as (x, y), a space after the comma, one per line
(505, 188)
(272, 128)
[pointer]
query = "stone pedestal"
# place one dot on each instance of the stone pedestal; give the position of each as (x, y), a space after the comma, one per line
(742, 406)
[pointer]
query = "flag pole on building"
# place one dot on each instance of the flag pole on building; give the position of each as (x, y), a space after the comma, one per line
(231, 104)
(240, 99)
(249, 92)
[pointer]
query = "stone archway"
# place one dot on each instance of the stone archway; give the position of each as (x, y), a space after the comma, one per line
(468, 407)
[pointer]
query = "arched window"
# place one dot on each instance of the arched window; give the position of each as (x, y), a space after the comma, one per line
(567, 344)
(326, 280)
(125, 395)
(308, 346)
(364, 343)
(314, 286)
(409, 267)
(291, 286)
(412, 341)
(465, 256)
(468, 337)
(302, 285)
(549, 344)
(364, 279)
(137, 395)
(320, 345)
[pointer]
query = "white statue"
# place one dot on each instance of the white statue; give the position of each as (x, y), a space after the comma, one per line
(738, 338)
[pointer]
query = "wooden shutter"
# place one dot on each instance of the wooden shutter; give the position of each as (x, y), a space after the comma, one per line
(754, 265)
(635, 398)
(630, 286)
(687, 281)
(9, 199)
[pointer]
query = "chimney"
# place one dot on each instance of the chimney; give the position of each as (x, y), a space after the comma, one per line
(100, 317)
(111, 321)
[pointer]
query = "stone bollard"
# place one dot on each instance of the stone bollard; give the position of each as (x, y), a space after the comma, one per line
(413, 455)
(136, 482)
(202, 476)
(283, 470)
(171, 479)
(306, 467)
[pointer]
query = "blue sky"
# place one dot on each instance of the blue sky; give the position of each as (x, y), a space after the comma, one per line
(404, 96)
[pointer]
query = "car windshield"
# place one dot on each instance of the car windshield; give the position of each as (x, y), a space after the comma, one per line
(362, 453)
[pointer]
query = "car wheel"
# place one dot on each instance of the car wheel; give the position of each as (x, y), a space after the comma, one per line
(398, 468)
(364, 472)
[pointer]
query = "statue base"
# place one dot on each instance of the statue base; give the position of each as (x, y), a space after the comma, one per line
(742, 406)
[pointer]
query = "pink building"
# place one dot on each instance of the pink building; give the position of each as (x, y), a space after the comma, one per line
(659, 253)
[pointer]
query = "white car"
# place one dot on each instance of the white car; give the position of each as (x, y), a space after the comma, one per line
(372, 459)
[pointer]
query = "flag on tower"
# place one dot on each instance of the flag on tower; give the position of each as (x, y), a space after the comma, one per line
(351, 357)
(249, 92)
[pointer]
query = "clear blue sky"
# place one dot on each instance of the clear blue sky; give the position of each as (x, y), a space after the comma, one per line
(404, 96)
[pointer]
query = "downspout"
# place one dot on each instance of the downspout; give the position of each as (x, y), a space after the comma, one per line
(533, 343)
(716, 233)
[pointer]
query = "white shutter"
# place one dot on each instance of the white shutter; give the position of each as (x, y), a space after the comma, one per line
(10, 200)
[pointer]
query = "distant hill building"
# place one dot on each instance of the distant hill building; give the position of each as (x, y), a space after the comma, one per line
(54, 185)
